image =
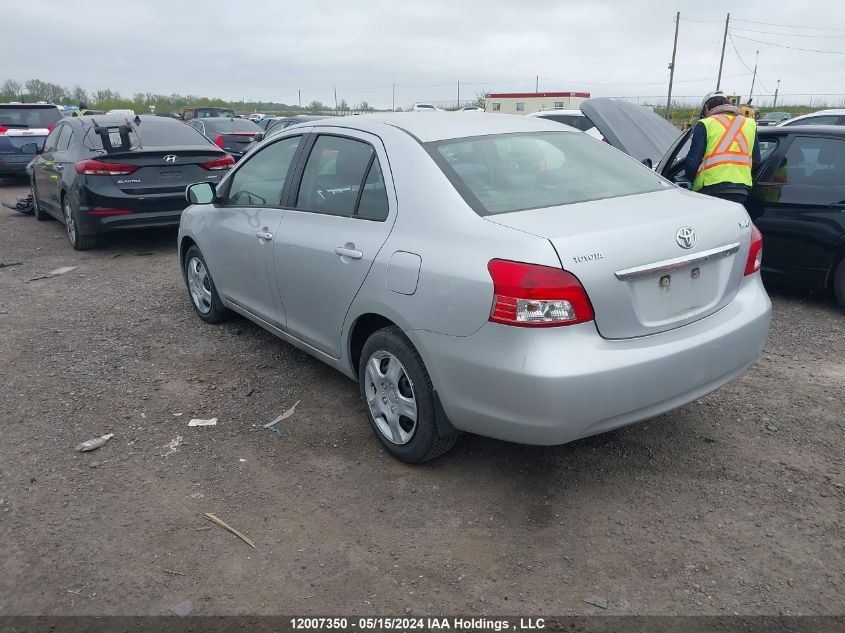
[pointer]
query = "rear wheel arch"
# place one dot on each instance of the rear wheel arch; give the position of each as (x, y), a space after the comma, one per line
(364, 327)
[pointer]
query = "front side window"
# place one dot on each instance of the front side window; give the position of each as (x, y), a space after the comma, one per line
(260, 181)
(813, 160)
(520, 107)
(64, 138)
(52, 139)
(334, 175)
(501, 173)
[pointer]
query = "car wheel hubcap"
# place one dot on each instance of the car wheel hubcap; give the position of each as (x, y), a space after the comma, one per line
(391, 398)
(70, 225)
(199, 285)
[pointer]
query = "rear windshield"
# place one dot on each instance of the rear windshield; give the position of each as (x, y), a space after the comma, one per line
(231, 126)
(578, 121)
(156, 132)
(23, 116)
(203, 113)
(514, 172)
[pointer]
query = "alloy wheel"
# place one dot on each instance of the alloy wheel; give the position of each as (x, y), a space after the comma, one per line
(199, 285)
(390, 397)
(70, 223)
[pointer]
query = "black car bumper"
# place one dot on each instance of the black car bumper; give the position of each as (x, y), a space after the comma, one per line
(99, 220)
(11, 165)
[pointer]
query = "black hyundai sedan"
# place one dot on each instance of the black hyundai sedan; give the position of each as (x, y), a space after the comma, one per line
(108, 173)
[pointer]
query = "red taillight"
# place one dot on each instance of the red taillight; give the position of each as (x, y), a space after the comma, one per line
(101, 168)
(755, 253)
(225, 162)
(528, 295)
(219, 141)
(50, 128)
(3, 130)
(109, 212)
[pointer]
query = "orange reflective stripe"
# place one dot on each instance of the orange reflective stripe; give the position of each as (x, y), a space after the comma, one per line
(743, 161)
(730, 135)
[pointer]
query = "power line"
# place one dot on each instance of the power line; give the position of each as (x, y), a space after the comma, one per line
(789, 34)
(742, 61)
(794, 48)
(792, 26)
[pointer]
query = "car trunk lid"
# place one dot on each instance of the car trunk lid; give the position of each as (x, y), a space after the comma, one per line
(163, 171)
(630, 255)
(634, 129)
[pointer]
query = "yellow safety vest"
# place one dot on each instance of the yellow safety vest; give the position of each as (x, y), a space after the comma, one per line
(727, 159)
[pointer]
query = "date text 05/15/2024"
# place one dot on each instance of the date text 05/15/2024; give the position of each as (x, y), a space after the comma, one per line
(409, 623)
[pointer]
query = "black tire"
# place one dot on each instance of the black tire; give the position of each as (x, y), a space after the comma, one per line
(70, 216)
(425, 442)
(213, 311)
(36, 209)
(839, 283)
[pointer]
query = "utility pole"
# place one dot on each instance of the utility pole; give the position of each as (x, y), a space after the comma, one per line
(394, 97)
(299, 92)
(335, 100)
(722, 58)
(775, 102)
(672, 65)
(753, 77)
(459, 94)
(537, 84)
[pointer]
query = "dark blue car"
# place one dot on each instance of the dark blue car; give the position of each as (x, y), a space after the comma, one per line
(20, 124)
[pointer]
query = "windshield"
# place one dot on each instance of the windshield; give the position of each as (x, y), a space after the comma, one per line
(513, 172)
(23, 116)
(214, 112)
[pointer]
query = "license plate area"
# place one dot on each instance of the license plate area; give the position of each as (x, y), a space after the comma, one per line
(170, 175)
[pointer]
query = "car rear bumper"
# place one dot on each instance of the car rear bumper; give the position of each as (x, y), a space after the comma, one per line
(10, 164)
(555, 385)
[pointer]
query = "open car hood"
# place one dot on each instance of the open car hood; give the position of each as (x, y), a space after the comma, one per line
(634, 129)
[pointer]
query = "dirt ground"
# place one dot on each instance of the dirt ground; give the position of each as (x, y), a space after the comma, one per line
(733, 504)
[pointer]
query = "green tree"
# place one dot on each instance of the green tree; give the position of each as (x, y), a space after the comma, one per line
(11, 90)
(316, 106)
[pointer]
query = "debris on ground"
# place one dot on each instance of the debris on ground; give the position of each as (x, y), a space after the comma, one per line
(23, 205)
(94, 443)
(284, 416)
(9, 265)
(175, 573)
(226, 526)
(201, 422)
(183, 608)
(173, 445)
(596, 601)
(143, 254)
(56, 273)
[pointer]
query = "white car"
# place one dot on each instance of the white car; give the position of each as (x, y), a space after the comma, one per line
(424, 107)
(573, 118)
(256, 116)
(471, 108)
(822, 117)
(122, 112)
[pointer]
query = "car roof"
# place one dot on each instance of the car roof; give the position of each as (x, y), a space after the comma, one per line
(437, 126)
(111, 120)
(566, 111)
(827, 130)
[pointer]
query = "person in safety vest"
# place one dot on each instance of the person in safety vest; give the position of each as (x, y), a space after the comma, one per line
(723, 151)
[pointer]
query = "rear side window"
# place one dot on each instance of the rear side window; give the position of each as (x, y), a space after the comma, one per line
(514, 172)
(260, 181)
(24, 117)
(333, 180)
(813, 160)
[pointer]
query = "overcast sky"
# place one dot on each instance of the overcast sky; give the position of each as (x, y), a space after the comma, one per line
(269, 50)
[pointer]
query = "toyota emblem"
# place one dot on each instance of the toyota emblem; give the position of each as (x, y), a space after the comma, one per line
(170, 158)
(685, 237)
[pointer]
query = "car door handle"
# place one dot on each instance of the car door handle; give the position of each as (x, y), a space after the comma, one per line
(264, 235)
(349, 251)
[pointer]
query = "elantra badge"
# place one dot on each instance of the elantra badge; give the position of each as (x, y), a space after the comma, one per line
(685, 237)
(170, 158)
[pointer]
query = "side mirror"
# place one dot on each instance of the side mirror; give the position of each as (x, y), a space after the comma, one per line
(30, 148)
(647, 162)
(201, 193)
(258, 137)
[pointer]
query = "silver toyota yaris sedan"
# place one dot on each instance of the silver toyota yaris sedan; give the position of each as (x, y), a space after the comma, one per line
(493, 274)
